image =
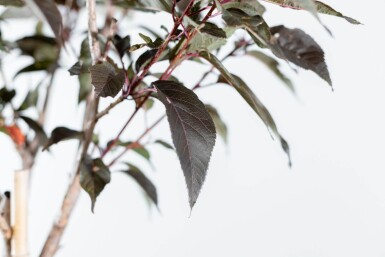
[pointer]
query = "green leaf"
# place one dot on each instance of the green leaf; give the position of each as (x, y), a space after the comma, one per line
(77, 69)
(308, 5)
(210, 38)
(220, 126)
(317, 6)
(41, 48)
(273, 65)
(148, 42)
(146, 184)
(213, 30)
(94, 176)
(251, 7)
(37, 66)
(51, 13)
(84, 86)
(137, 148)
(248, 96)
(146, 39)
(36, 127)
(148, 104)
(326, 9)
(255, 25)
(17, 3)
(299, 48)
(142, 152)
(30, 100)
(85, 51)
(145, 5)
(192, 130)
(164, 144)
(107, 79)
(62, 133)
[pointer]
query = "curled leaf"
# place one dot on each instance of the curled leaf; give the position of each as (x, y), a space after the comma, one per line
(299, 48)
(39, 131)
(62, 133)
(146, 184)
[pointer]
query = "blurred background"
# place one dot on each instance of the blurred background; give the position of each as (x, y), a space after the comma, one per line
(330, 203)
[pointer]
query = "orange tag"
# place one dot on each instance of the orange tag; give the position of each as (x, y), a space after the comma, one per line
(16, 134)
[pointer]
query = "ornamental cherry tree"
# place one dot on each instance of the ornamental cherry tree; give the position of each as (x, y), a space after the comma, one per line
(113, 68)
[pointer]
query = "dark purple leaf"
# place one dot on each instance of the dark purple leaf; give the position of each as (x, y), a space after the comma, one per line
(106, 79)
(51, 14)
(94, 176)
(36, 127)
(122, 44)
(144, 58)
(193, 132)
(299, 48)
(60, 134)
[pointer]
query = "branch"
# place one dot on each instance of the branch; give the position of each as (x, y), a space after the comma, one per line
(52, 243)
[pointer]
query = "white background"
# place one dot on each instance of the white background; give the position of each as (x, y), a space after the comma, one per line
(331, 203)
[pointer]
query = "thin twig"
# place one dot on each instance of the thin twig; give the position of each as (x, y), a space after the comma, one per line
(108, 108)
(116, 139)
(133, 144)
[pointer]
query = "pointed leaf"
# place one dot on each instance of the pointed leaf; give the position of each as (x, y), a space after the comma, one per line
(142, 152)
(273, 65)
(51, 13)
(248, 96)
(320, 7)
(60, 134)
(220, 126)
(40, 134)
(301, 49)
(146, 184)
(37, 66)
(308, 5)
(77, 69)
(326, 9)
(192, 130)
(106, 79)
(164, 144)
(94, 176)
